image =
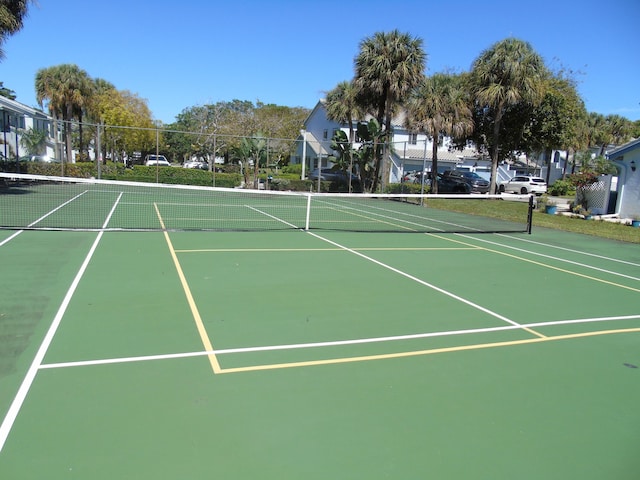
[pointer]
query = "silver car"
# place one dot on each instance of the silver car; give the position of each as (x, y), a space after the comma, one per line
(524, 185)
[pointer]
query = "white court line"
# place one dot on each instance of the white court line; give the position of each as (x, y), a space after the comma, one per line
(602, 257)
(406, 275)
(421, 282)
(11, 237)
(294, 346)
(550, 257)
(18, 400)
(274, 217)
(7, 240)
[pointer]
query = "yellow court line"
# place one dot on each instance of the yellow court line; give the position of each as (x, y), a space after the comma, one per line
(416, 353)
(204, 337)
(546, 265)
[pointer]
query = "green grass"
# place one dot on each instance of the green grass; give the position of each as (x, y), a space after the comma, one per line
(597, 228)
(508, 210)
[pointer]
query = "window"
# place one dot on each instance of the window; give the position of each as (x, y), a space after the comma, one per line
(413, 138)
(8, 121)
(325, 134)
(41, 125)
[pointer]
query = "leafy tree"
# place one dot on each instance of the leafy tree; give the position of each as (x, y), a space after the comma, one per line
(606, 130)
(618, 129)
(67, 90)
(343, 158)
(34, 141)
(281, 125)
(635, 129)
(342, 107)
(252, 149)
(439, 107)
(12, 14)
(556, 123)
(129, 125)
(505, 79)
(200, 130)
(343, 151)
(388, 67)
(5, 92)
(366, 156)
(101, 89)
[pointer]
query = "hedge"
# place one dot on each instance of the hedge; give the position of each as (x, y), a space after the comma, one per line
(139, 173)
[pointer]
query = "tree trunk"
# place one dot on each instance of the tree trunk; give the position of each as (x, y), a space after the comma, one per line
(80, 137)
(434, 166)
(495, 150)
(566, 164)
(67, 135)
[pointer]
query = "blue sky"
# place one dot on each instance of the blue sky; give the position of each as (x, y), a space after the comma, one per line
(290, 52)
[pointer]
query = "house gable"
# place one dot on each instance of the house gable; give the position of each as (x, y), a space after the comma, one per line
(627, 159)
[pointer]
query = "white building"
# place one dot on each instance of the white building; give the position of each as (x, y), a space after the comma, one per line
(627, 160)
(409, 151)
(15, 118)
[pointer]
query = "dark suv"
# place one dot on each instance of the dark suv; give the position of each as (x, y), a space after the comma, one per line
(448, 184)
(475, 181)
(336, 177)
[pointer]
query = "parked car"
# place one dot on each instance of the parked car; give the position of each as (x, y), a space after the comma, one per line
(410, 177)
(446, 183)
(475, 181)
(452, 184)
(524, 185)
(328, 174)
(198, 164)
(38, 158)
(159, 160)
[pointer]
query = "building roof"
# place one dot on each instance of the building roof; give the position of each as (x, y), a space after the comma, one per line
(622, 149)
(8, 105)
(418, 153)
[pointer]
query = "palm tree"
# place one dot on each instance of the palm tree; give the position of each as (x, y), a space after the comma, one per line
(68, 90)
(101, 89)
(342, 107)
(617, 130)
(508, 74)
(388, 67)
(34, 141)
(439, 107)
(252, 149)
(11, 16)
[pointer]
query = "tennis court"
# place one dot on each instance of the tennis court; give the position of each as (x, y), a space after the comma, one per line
(385, 343)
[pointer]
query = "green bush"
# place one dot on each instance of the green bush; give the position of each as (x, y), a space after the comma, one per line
(181, 176)
(410, 188)
(562, 188)
(292, 170)
(139, 173)
(279, 183)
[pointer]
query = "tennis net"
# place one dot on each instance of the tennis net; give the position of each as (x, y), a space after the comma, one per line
(60, 203)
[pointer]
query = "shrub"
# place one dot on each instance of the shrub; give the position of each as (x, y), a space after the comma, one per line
(279, 183)
(583, 179)
(410, 188)
(562, 188)
(292, 170)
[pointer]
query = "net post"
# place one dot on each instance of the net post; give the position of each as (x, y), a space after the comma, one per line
(308, 214)
(530, 215)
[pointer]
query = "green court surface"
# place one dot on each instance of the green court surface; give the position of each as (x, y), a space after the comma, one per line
(317, 355)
